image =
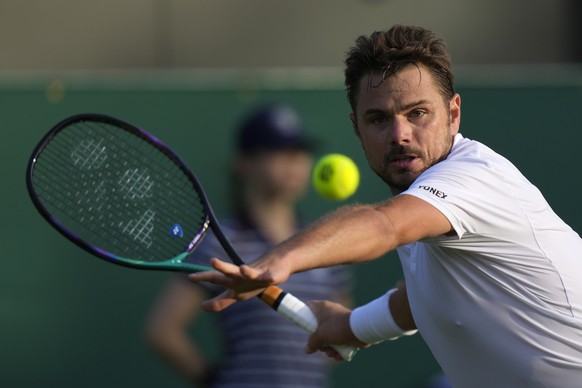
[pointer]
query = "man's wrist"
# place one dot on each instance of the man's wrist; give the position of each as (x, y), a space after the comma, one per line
(373, 322)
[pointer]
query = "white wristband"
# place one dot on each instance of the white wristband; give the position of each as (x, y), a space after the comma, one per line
(373, 322)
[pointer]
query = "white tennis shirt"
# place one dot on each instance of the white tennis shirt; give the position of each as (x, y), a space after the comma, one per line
(499, 303)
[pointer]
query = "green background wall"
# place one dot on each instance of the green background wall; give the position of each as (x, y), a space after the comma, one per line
(70, 320)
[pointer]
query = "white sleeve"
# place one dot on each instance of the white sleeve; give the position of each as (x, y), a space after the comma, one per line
(471, 194)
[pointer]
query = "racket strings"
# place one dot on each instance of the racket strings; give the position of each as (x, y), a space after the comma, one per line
(155, 160)
(118, 191)
(142, 225)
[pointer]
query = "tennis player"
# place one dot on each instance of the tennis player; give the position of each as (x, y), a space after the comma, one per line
(493, 275)
(271, 170)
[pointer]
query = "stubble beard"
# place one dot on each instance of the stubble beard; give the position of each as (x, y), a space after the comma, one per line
(400, 181)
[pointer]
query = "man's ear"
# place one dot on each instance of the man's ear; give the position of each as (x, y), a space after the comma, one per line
(356, 129)
(455, 114)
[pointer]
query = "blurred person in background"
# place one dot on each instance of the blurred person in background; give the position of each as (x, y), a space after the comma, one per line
(271, 172)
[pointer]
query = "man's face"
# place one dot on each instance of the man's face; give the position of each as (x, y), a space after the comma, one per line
(404, 124)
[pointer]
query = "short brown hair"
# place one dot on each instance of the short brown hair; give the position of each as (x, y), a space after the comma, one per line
(387, 52)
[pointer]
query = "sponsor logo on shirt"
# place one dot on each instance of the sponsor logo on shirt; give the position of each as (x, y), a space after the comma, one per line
(433, 191)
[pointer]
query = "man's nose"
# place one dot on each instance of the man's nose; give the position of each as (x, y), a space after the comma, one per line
(400, 131)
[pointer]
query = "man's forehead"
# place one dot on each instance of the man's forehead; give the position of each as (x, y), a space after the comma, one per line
(406, 80)
(414, 83)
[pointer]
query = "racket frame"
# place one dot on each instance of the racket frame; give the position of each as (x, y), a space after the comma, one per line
(284, 303)
(176, 263)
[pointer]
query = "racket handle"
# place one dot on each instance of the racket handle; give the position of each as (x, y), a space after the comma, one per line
(300, 314)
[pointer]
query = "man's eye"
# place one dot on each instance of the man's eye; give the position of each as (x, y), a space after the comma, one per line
(417, 113)
(378, 119)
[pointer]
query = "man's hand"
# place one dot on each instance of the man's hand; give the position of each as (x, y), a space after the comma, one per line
(333, 328)
(242, 282)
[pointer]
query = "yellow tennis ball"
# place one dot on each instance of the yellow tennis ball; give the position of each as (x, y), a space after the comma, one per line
(336, 177)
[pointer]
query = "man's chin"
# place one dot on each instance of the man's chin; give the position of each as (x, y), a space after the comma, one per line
(401, 183)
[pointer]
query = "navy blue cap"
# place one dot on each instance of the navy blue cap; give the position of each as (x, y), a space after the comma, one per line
(273, 127)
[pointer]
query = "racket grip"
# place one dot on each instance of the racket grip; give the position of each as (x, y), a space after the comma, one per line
(300, 314)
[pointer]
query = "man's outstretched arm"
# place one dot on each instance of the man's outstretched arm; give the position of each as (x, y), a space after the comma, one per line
(349, 235)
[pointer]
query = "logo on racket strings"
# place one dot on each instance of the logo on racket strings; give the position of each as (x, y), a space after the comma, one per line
(176, 231)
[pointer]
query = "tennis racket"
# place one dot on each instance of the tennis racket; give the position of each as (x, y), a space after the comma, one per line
(122, 195)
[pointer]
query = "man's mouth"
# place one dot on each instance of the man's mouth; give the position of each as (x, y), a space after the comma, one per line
(403, 157)
(402, 161)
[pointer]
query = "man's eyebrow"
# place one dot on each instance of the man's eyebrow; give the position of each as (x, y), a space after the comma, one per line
(373, 111)
(408, 106)
(415, 104)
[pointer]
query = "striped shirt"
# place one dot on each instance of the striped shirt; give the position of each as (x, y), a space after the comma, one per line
(263, 349)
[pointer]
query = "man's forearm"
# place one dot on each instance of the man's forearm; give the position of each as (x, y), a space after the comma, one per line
(352, 234)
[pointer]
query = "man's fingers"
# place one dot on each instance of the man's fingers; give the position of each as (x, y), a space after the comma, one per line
(226, 274)
(331, 353)
(213, 277)
(313, 344)
(225, 267)
(256, 275)
(241, 282)
(219, 303)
